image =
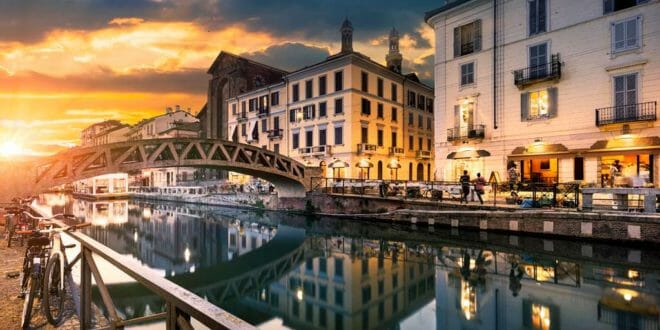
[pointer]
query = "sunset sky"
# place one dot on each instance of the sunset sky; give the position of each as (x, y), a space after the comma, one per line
(67, 64)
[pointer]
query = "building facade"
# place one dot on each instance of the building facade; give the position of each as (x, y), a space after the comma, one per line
(105, 132)
(348, 114)
(562, 89)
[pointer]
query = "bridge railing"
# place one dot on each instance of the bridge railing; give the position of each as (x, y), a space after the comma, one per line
(181, 304)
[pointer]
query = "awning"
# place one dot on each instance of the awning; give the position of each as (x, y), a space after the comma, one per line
(622, 145)
(364, 164)
(338, 164)
(468, 154)
(393, 165)
(540, 150)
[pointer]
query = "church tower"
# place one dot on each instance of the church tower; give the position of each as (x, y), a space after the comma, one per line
(346, 36)
(394, 57)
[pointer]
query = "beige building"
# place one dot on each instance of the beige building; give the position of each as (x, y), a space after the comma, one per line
(560, 88)
(348, 114)
(175, 122)
(105, 132)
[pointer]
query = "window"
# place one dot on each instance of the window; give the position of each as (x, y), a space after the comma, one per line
(309, 112)
(323, 262)
(411, 143)
(276, 122)
(381, 287)
(243, 107)
(309, 312)
(366, 294)
(467, 74)
(395, 113)
(253, 104)
(365, 82)
(339, 135)
(411, 119)
(323, 321)
(538, 60)
(339, 321)
(323, 109)
(364, 134)
(263, 103)
(366, 107)
(339, 81)
(616, 5)
(395, 303)
(395, 281)
(339, 297)
(322, 136)
(394, 92)
(275, 98)
(264, 125)
(420, 143)
(420, 121)
(578, 168)
(276, 148)
(243, 130)
(379, 110)
(467, 38)
(233, 109)
(322, 85)
(339, 263)
(339, 106)
(292, 115)
(429, 123)
(309, 89)
(428, 144)
(393, 139)
(539, 104)
(537, 16)
(381, 310)
(421, 102)
(379, 87)
(295, 91)
(295, 140)
(380, 137)
(309, 138)
(323, 292)
(625, 92)
(626, 34)
(429, 104)
(412, 98)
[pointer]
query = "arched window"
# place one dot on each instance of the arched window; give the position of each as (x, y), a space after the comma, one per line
(420, 172)
(410, 172)
(380, 170)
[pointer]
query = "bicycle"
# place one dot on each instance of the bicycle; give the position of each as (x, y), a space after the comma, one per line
(33, 279)
(17, 221)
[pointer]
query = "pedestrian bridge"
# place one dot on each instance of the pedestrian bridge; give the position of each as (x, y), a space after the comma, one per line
(290, 178)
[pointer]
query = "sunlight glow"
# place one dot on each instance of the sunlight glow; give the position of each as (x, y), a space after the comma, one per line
(10, 148)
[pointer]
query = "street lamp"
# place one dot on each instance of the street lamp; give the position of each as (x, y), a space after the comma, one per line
(362, 164)
(394, 165)
(337, 165)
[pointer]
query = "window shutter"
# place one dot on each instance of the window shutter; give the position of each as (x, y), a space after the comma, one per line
(457, 117)
(552, 98)
(524, 106)
(608, 6)
(457, 42)
(477, 35)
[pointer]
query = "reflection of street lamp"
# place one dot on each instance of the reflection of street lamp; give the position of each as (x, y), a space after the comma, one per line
(394, 165)
(186, 254)
(299, 294)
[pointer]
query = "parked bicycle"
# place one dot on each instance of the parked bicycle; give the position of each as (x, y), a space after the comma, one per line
(37, 282)
(18, 221)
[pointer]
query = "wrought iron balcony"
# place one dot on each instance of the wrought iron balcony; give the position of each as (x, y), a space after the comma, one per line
(467, 48)
(538, 73)
(366, 148)
(316, 151)
(423, 154)
(263, 111)
(242, 117)
(275, 133)
(476, 132)
(626, 113)
(396, 151)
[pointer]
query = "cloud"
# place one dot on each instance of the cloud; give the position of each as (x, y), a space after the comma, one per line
(423, 68)
(126, 21)
(289, 56)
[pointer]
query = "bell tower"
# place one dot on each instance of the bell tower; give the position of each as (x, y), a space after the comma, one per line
(394, 58)
(346, 36)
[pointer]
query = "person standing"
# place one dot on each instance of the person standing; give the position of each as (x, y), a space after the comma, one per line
(479, 184)
(465, 186)
(614, 171)
(513, 176)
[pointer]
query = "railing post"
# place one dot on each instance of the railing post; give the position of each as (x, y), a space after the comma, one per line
(86, 291)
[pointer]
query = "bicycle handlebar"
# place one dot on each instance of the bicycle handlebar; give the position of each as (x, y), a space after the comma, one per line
(67, 229)
(70, 216)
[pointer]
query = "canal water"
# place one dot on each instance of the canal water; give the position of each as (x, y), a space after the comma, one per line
(276, 271)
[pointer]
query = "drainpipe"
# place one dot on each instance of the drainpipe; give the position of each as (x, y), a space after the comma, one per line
(495, 64)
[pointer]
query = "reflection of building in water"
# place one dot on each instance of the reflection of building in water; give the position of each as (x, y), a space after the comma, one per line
(487, 290)
(358, 284)
(101, 213)
(108, 185)
(244, 237)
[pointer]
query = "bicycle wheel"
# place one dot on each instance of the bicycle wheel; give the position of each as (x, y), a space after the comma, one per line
(54, 293)
(29, 302)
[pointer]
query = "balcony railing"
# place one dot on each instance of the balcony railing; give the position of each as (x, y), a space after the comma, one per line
(275, 133)
(366, 148)
(316, 151)
(395, 151)
(242, 117)
(626, 113)
(263, 111)
(467, 48)
(459, 134)
(423, 154)
(538, 73)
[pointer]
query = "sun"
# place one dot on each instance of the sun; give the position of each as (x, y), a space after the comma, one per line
(10, 148)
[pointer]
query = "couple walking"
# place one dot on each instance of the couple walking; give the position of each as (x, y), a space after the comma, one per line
(479, 184)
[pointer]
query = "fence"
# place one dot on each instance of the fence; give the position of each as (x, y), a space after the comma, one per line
(533, 194)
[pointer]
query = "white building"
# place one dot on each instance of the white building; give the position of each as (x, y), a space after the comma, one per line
(165, 125)
(105, 132)
(560, 88)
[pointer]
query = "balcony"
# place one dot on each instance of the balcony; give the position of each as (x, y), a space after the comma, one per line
(241, 117)
(423, 154)
(366, 148)
(324, 150)
(626, 113)
(262, 112)
(275, 134)
(395, 151)
(476, 132)
(539, 73)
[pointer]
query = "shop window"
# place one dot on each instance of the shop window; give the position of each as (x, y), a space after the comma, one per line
(540, 170)
(539, 104)
(633, 170)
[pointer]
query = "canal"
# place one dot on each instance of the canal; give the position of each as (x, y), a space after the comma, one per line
(277, 270)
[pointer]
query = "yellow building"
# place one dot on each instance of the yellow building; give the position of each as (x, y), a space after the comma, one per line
(348, 114)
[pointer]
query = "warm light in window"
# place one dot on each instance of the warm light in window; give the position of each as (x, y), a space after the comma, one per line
(540, 317)
(299, 294)
(468, 300)
(538, 103)
(633, 274)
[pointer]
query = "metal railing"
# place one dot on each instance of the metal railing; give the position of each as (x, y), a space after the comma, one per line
(467, 48)
(626, 113)
(316, 150)
(275, 133)
(473, 132)
(366, 148)
(533, 194)
(423, 154)
(538, 73)
(262, 111)
(242, 117)
(395, 151)
(181, 304)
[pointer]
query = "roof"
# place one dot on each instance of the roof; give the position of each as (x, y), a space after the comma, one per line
(228, 54)
(445, 7)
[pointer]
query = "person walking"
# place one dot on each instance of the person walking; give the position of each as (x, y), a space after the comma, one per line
(479, 184)
(465, 186)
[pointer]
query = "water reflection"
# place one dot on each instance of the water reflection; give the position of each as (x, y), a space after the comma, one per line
(277, 270)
